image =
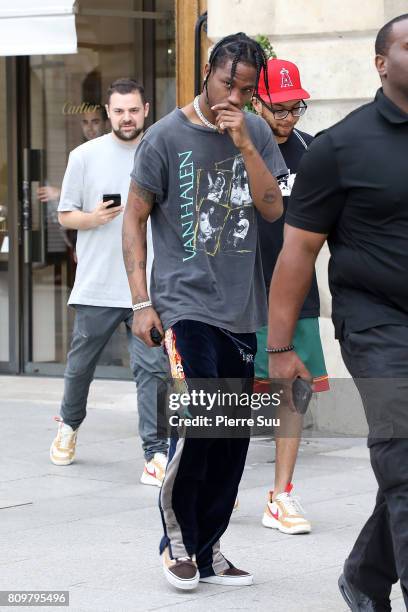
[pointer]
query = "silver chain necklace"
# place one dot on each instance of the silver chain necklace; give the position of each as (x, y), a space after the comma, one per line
(201, 116)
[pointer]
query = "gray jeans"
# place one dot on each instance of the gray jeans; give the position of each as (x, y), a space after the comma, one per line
(93, 327)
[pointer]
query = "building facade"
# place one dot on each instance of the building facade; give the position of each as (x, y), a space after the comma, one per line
(332, 42)
(48, 100)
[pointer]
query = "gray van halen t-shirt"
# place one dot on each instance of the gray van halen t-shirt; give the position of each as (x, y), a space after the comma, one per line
(100, 166)
(207, 264)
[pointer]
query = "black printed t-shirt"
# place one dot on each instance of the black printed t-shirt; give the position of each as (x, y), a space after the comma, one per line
(271, 234)
(352, 184)
(207, 264)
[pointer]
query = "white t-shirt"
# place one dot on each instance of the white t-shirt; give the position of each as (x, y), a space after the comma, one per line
(100, 166)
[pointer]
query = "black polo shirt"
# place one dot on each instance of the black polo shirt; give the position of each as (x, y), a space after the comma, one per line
(271, 234)
(352, 184)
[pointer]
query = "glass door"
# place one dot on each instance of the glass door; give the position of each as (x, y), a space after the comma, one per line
(64, 99)
(5, 212)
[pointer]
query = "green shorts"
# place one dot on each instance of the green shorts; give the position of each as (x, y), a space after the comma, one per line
(307, 345)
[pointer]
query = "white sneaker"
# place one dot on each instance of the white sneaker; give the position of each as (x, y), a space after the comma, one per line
(154, 470)
(286, 514)
(62, 451)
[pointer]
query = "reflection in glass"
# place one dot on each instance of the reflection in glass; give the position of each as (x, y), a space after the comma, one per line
(4, 235)
(67, 109)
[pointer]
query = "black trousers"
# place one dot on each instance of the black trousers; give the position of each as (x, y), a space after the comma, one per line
(377, 359)
(202, 477)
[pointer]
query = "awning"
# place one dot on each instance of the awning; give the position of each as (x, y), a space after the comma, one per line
(37, 27)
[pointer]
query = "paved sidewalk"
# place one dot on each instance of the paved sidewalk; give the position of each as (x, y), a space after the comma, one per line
(93, 529)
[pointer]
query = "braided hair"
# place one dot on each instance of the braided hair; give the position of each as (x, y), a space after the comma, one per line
(238, 48)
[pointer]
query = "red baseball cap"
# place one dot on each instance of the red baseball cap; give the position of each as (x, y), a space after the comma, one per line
(284, 82)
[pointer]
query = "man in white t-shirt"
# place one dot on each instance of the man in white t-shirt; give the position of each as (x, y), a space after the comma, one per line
(101, 295)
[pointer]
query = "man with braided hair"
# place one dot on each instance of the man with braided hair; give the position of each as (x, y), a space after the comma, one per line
(206, 303)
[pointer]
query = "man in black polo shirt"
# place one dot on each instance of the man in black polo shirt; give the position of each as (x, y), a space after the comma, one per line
(352, 189)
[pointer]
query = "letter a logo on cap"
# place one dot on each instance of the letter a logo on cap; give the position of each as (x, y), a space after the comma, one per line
(285, 82)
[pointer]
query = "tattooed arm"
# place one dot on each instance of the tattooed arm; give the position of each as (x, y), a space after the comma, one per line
(265, 190)
(137, 211)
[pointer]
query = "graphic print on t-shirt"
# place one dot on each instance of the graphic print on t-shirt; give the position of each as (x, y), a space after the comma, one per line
(235, 237)
(240, 194)
(217, 186)
(286, 183)
(211, 221)
(224, 208)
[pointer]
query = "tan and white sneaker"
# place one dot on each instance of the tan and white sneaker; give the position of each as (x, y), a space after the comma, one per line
(62, 451)
(154, 470)
(286, 514)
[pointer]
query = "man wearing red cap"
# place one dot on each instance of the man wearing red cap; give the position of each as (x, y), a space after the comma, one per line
(281, 102)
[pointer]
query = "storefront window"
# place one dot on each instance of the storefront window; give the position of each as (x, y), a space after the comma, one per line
(4, 228)
(67, 98)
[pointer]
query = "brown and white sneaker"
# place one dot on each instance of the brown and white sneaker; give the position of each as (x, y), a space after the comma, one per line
(181, 573)
(230, 577)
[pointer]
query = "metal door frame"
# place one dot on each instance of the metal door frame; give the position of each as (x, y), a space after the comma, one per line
(13, 365)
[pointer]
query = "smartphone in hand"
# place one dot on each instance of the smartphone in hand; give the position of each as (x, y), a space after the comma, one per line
(116, 197)
(302, 392)
(156, 336)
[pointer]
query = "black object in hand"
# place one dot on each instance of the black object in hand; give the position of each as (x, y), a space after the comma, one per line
(116, 197)
(155, 336)
(301, 394)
